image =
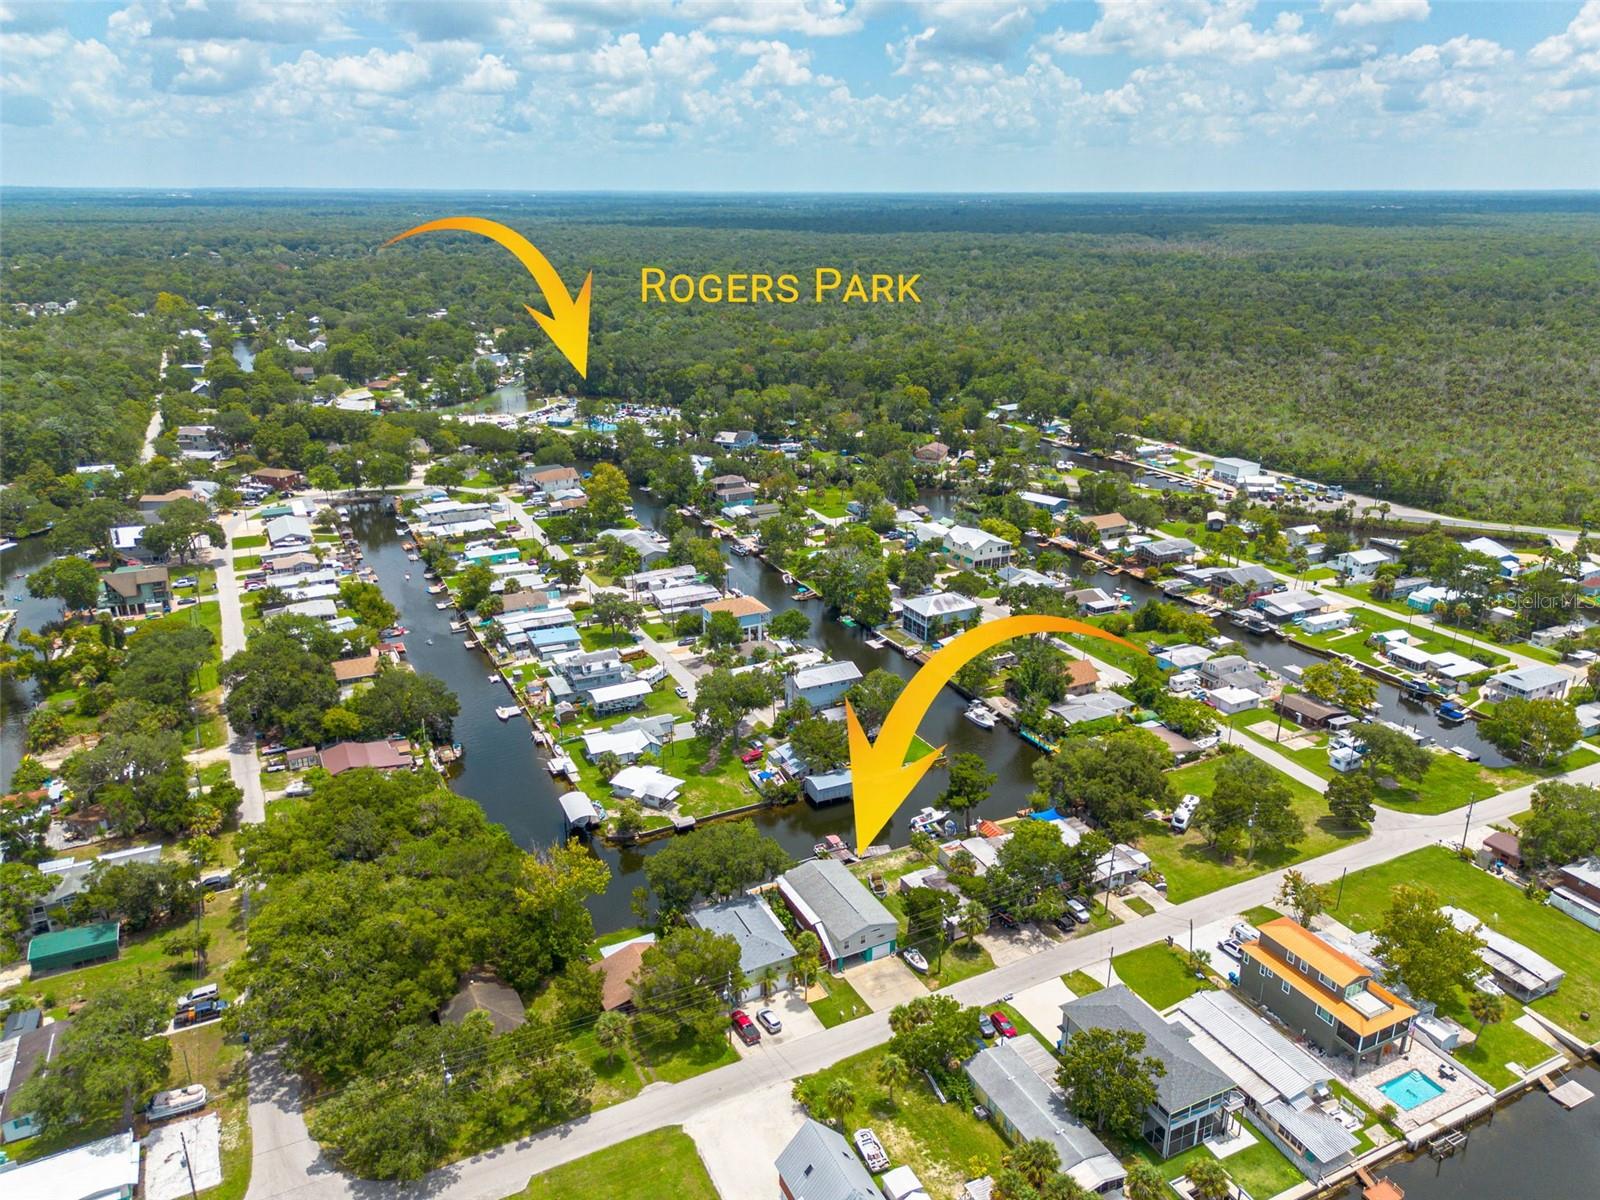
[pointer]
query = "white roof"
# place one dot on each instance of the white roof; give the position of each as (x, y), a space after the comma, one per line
(826, 673)
(936, 604)
(1527, 679)
(1289, 1070)
(619, 691)
(1487, 545)
(648, 783)
(1365, 556)
(622, 743)
(108, 1167)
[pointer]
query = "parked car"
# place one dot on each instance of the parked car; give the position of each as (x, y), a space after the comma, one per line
(217, 881)
(1006, 919)
(1002, 1024)
(750, 756)
(687, 641)
(206, 991)
(769, 1021)
(197, 1014)
(1232, 948)
(745, 1027)
(985, 1025)
(273, 748)
(186, 581)
(1079, 911)
(681, 692)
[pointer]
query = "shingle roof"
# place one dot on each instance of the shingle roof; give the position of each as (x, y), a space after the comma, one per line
(840, 901)
(1190, 1077)
(748, 921)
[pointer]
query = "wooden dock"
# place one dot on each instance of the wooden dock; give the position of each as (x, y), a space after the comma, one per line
(1378, 1189)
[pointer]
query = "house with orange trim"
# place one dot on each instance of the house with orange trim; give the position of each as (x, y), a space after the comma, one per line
(1324, 994)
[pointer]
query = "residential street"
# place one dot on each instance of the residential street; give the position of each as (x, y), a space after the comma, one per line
(287, 1166)
(242, 764)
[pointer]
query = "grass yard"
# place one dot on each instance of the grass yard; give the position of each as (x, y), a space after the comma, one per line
(829, 503)
(250, 541)
(1262, 1170)
(1080, 983)
(702, 794)
(1365, 622)
(841, 1004)
(1158, 974)
(961, 961)
(597, 638)
(1570, 945)
(203, 1055)
(1260, 915)
(1194, 869)
(663, 1162)
(943, 1143)
(685, 1056)
(1140, 905)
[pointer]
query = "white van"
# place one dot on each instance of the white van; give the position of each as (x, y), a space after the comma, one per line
(206, 991)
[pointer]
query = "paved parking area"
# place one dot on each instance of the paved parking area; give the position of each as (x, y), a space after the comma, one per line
(1041, 1006)
(740, 1140)
(1013, 945)
(885, 983)
(795, 1014)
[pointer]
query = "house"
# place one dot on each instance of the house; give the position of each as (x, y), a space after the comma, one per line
(618, 697)
(135, 591)
(1503, 848)
(732, 491)
(1282, 608)
(616, 968)
(927, 618)
(1180, 657)
(1507, 560)
(763, 946)
(384, 755)
(1538, 682)
(288, 531)
(1107, 525)
(649, 786)
(1234, 470)
(752, 615)
(829, 787)
(195, 438)
(1232, 670)
(1025, 1103)
(107, 1169)
(1324, 994)
(1096, 602)
(483, 991)
(550, 480)
(21, 1056)
(735, 439)
(1252, 580)
(486, 555)
(852, 925)
(1517, 969)
(1090, 706)
(975, 549)
(1359, 565)
(1083, 677)
(279, 479)
(1191, 1103)
(352, 671)
(676, 598)
(818, 1164)
(590, 669)
(646, 543)
(301, 758)
(1325, 622)
(1307, 711)
(983, 851)
(1119, 866)
(821, 685)
(649, 581)
(1302, 535)
(1578, 893)
(69, 876)
(1165, 550)
(931, 452)
(1287, 1093)
(1012, 577)
(67, 949)
(1056, 506)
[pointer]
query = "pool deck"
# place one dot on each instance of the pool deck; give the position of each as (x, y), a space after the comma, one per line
(1465, 1090)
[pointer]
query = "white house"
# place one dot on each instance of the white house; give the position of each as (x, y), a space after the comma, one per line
(1234, 470)
(1359, 565)
(927, 617)
(1538, 682)
(647, 785)
(821, 685)
(288, 531)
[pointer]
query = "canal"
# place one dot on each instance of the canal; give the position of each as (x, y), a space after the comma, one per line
(18, 696)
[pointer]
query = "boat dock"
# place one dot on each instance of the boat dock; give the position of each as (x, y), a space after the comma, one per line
(1378, 1189)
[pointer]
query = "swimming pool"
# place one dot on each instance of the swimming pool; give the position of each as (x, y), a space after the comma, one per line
(1411, 1089)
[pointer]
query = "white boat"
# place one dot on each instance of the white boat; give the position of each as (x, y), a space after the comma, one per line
(506, 711)
(871, 1151)
(980, 714)
(877, 643)
(928, 820)
(442, 605)
(176, 1102)
(915, 961)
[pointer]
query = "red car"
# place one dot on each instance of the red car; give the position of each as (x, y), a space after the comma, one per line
(1002, 1024)
(747, 1029)
(750, 756)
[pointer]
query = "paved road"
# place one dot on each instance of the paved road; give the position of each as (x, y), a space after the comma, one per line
(151, 433)
(1280, 761)
(288, 1166)
(242, 763)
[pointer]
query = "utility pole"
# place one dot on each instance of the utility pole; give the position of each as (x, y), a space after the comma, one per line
(187, 1165)
(1111, 952)
(1340, 898)
(1466, 827)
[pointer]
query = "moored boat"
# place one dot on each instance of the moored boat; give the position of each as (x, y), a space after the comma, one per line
(980, 714)
(506, 711)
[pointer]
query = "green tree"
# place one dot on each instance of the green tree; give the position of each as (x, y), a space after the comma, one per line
(473, 584)
(893, 1071)
(821, 743)
(932, 1033)
(1336, 682)
(401, 701)
(790, 625)
(1208, 1179)
(1116, 779)
(722, 629)
(838, 1100)
(1350, 795)
(69, 579)
(1144, 1182)
(607, 489)
(873, 696)
(1391, 755)
(180, 529)
(1531, 731)
(369, 604)
(807, 958)
(1301, 897)
(1250, 806)
(1486, 1009)
(1423, 946)
(611, 1030)
(1109, 1078)
(1564, 824)
(720, 861)
(970, 782)
(684, 983)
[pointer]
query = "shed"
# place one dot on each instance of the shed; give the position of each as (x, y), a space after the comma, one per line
(74, 947)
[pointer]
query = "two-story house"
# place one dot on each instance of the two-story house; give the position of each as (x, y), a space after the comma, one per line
(1324, 994)
(135, 591)
(928, 618)
(752, 615)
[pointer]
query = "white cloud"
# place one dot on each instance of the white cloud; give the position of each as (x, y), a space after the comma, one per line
(777, 63)
(488, 76)
(280, 21)
(1574, 54)
(1375, 12)
(1202, 29)
(813, 18)
(215, 68)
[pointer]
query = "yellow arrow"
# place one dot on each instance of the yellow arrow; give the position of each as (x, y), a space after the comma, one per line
(568, 322)
(880, 777)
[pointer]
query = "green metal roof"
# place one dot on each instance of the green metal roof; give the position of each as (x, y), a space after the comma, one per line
(101, 934)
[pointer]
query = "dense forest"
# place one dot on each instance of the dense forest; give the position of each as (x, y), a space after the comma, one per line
(1440, 351)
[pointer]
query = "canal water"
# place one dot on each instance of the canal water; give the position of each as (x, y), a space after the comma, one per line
(18, 696)
(1533, 1149)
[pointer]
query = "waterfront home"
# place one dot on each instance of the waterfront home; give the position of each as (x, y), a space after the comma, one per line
(1325, 622)
(933, 453)
(1301, 535)
(1015, 1080)
(1091, 706)
(290, 562)
(482, 554)
(983, 851)
(763, 945)
(752, 615)
(283, 532)
(1056, 506)
(1308, 712)
(1287, 1093)
(484, 991)
(550, 480)
(1165, 550)
(976, 549)
(1506, 559)
(649, 581)
(732, 491)
(127, 544)
(1082, 677)
(1282, 608)
(1181, 657)
(821, 685)
(626, 744)
(1107, 526)
(279, 479)
(646, 543)
(735, 439)
(150, 505)
(1517, 969)
(135, 591)
(618, 697)
(681, 597)
(1538, 682)
(928, 618)
(352, 672)
(1234, 470)
(830, 787)
(848, 919)
(1026, 577)
(1191, 1101)
(818, 1164)
(589, 669)
(650, 786)
(1324, 994)
(1254, 581)
(1359, 565)
(1094, 602)
(383, 755)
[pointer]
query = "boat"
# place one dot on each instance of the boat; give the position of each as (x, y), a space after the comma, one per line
(829, 846)
(877, 885)
(928, 820)
(871, 1151)
(915, 961)
(788, 578)
(506, 711)
(442, 605)
(430, 641)
(1466, 752)
(877, 643)
(1416, 689)
(847, 621)
(804, 593)
(1452, 712)
(413, 558)
(457, 626)
(980, 714)
(176, 1102)
(494, 677)
(435, 588)
(408, 574)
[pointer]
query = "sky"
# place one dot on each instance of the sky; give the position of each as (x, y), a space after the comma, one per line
(802, 95)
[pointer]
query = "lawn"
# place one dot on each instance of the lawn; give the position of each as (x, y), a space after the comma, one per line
(829, 503)
(663, 1162)
(251, 541)
(943, 1143)
(1365, 622)
(1194, 869)
(1140, 905)
(1260, 915)
(1081, 984)
(1262, 1170)
(725, 788)
(841, 1004)
(961, 961)
(1572, 946)
(684, 1057)
(1158, 974)
(597, 638)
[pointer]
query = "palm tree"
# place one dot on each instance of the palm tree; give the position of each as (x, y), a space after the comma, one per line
(1144, 1182)
(1209, 1181)
(1036, 1161)
(974, 918)
(838, 1099)
(768, 979)
(1485, 1009)
(611, 1031)
(892, 1072)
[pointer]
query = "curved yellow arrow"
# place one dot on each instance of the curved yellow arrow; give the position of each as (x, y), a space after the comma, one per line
(568, 322)
(880, 777)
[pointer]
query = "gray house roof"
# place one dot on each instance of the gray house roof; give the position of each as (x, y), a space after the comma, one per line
(1190, 1077)
(839, 901)
(748, 921)
(1284, 1067)
(1036, 1109)
(818, 1164)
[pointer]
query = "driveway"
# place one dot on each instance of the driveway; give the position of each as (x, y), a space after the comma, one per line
(1013, 945)
(884, 983)
(795, 1014)
(1041, 1005)
(741, 1138)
